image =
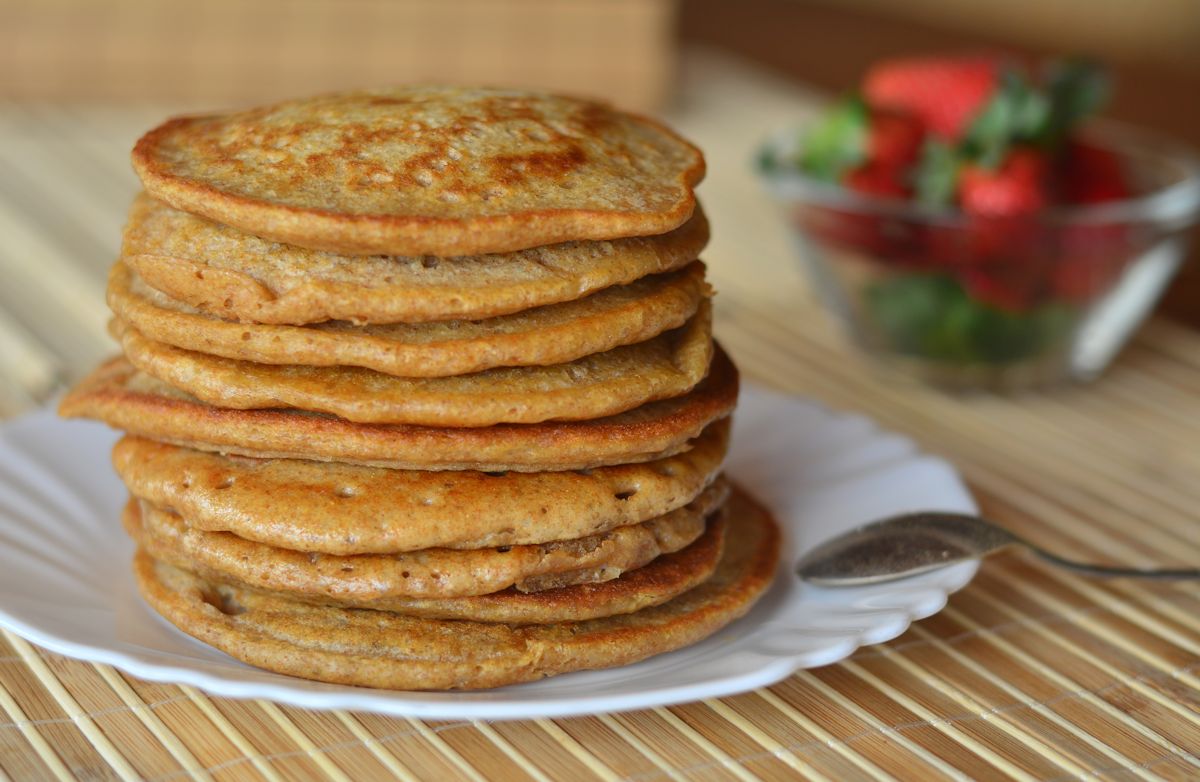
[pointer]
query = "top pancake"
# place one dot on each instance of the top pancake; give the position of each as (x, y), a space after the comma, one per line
(425, 170)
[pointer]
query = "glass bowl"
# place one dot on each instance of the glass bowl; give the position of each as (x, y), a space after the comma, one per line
(997, 303)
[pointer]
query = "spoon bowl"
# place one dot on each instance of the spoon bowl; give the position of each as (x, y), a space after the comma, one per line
(912, 543)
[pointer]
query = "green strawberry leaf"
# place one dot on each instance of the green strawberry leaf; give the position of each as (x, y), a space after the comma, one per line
(1020, 113)
(933, 317)
(1032, 111)
(1076, 89)
(988, 136)
(921, 315)
(935, 178)
(765, 160)
(838, 143)
(1017, 112)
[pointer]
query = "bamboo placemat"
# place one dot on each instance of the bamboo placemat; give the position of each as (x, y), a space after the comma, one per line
(1028, 673)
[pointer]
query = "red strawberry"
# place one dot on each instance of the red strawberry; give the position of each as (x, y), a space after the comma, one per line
(1002, 287)
(1092, 175)
(1016, 187)
(947, 246)
(945, 94)
(1005, 244)
(858, 228)
(1080, 279)
(1090, 259)
(842, 229)
(877, 180)
(894, 140)
(880, 239)
(893, 143)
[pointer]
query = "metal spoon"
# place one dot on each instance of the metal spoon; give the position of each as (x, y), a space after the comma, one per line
(913, 543)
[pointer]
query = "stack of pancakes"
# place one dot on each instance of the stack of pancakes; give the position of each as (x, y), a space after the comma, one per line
(420, 390)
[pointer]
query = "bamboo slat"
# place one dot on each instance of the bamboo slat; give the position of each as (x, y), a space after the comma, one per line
(1027, 674)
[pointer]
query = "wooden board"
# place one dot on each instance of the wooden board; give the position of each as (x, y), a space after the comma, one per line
(1028, 674)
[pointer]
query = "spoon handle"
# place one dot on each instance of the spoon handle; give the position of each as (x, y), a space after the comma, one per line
(1117, 572)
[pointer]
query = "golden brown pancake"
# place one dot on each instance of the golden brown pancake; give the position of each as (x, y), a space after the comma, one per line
(653, 584)
(428, 573)
(231, 274)
(348, 509)
(425, 170)
(118, 395)
(439, 579)
(594, 386)
(383, 649)
(554, 334)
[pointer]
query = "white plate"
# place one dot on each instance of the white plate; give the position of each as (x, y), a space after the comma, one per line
(65, 580)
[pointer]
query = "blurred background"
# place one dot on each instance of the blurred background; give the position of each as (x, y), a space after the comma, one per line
(80, 79)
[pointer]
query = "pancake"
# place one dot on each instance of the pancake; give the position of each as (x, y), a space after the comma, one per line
(429, 573)
(553, 334)
(594, 386)
(348, 509)
(124, 398)
(235, 275)
(425, 170)
(661, 580)
(367, 579)
(387, 650)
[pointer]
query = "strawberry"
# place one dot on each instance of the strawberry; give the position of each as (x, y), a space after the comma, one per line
(1092, 174)
(842, 229)
(1016, 187)
(1092, 255)
(847, 229)
(861, 229)
(1090, 258)
(944, 94)
(876, 179)
(947, 246)
(1004, 288)
(858, 228)
(894, 139)
(892, 145)
(1003, 241)
(1080, 279)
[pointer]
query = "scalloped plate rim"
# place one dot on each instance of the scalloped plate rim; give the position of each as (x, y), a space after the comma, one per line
(493, 704)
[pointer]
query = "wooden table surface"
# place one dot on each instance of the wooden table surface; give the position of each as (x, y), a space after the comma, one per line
(1029, 673)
